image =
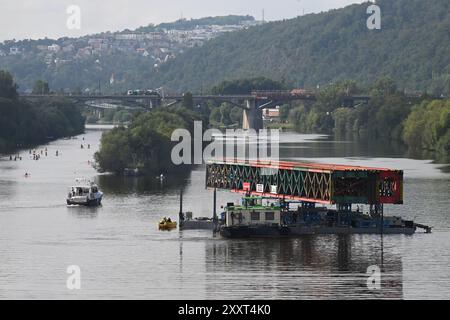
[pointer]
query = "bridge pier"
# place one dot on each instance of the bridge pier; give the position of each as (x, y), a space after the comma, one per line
(252, 117)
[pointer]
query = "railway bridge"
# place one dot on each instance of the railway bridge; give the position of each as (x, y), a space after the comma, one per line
(252, 104)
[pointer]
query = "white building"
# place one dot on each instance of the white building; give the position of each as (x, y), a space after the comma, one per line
(14, 50)
(54, 48)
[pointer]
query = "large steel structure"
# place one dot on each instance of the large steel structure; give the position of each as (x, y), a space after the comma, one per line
(308, 182)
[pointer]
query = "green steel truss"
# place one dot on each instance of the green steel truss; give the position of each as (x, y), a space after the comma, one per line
(320, 186)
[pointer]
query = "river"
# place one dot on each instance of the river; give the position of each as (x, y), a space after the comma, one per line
(122, 255)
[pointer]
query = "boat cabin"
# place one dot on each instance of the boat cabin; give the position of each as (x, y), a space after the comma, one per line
(84, 193)
(253, 211)
(79, 191)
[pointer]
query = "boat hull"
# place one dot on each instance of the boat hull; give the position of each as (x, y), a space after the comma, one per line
(167, 226)
(276, 231)
(197, 225)
(87, 203)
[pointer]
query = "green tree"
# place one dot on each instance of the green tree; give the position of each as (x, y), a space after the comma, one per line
(384, 87)
(146, 143)
(8, 88)
(41, 87)
(246, 86)
(188, 100)
(428, 127)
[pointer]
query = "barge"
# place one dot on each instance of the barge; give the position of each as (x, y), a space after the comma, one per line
(254, 219)
(307, 198)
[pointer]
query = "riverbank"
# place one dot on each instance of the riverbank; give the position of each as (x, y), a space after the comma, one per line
(116, 244)
(25, 124)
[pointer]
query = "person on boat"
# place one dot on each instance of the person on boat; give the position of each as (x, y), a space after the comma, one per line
(169, 220)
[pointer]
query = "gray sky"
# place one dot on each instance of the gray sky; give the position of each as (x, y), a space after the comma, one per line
(21, 19)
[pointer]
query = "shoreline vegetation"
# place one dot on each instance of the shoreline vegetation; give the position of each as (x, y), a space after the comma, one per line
(145, 144)
(419, 123)
(25, 124)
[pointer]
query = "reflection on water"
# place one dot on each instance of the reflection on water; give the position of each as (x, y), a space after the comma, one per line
(123, 255)
(119, 185)
(311, 267)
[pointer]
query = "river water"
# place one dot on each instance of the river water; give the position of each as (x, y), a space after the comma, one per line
(121, 254)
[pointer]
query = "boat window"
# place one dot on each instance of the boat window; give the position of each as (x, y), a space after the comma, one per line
(255, 216)
(270, 216)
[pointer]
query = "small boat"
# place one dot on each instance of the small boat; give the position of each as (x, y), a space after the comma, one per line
(187, 222)
(84, 193)
(167, 224)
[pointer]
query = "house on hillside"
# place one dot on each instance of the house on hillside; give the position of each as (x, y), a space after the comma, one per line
(14, 51)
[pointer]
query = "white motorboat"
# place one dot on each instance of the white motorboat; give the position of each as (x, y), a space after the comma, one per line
(84, 193)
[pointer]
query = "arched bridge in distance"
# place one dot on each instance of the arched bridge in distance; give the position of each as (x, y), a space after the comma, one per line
(252, 104)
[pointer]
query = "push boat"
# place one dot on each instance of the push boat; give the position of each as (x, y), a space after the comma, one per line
(84, 193)
(188, 222)
(278, 218)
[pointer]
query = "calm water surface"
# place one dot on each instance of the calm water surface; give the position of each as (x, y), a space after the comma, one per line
(122, 254)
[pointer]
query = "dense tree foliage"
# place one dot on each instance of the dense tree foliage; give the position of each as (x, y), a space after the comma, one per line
(246, 86)
(311, 50)
(41, 87)
(23, 123)
(411, 48)
(146, 144)
(188, 101)
(226, 116)
(389, 116)
(8, 89)
(428, 127)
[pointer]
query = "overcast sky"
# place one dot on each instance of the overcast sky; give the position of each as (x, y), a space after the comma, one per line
(21, 19)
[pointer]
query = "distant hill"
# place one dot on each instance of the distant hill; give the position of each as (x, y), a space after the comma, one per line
(111, 61)
(185, 24)
(413, 48)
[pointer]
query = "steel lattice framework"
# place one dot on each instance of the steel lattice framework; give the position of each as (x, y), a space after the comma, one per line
(319, 183)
